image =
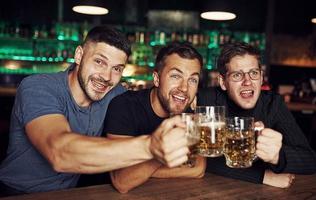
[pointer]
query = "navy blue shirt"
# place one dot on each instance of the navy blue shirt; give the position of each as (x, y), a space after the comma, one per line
(24, 168)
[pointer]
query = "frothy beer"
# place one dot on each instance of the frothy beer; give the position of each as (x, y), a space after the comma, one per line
(212, 139)
(240, 150)
(240, 142)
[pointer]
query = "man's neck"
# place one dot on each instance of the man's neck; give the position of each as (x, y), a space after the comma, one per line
(75, 89)
(156, 104)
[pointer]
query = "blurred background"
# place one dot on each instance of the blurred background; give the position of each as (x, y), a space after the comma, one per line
(41, 36)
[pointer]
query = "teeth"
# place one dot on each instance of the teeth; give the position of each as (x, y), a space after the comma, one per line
(179, 97)
(98, 85)
(246, 92)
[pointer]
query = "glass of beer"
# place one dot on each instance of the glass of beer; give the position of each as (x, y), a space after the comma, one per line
(210, 125)
(193, 137)
(240, 142)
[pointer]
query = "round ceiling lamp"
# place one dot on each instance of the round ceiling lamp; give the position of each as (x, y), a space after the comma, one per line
(218, 15)
(313, 20)
(90, 10)
(90, 7)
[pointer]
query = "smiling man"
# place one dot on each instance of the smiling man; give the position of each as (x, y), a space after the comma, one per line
(281, 145)
(176, 78)
(57, 117)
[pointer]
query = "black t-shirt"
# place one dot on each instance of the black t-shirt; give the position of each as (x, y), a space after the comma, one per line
(131, 114)
(295, 156)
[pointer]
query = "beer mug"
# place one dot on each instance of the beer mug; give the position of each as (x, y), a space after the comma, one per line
(210, 125)
(240, 142)
(192, 136)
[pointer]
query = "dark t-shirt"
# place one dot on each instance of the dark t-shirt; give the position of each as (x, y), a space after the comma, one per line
(131, 114)
(295, 156)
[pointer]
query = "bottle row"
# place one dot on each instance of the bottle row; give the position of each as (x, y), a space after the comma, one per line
(58, 42)
(60, 31)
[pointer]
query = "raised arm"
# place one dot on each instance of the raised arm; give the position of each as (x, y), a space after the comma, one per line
(75, 153)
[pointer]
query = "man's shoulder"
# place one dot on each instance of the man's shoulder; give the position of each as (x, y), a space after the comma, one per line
(42, 80)
(270, 96)
(132, 96)
(130, 100)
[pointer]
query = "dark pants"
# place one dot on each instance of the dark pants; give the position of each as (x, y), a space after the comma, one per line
(8, 191)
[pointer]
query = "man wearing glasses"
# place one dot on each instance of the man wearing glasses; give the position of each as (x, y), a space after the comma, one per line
(281, 146)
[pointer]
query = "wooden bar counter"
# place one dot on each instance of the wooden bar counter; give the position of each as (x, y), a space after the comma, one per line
(209, 187)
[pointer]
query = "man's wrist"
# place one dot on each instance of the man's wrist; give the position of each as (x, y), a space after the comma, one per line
(146, 141)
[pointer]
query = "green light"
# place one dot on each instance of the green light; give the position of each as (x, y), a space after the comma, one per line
(151, 64)
(141, 63)
(61, 37)
(44, 59)
(75, 38)
(209, 67)
(70, 60)
(50, 59)
(145, 77)
(152, 43)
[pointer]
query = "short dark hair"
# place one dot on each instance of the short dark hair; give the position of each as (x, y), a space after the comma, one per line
(109, 36)
(231, 50)
(183, 49)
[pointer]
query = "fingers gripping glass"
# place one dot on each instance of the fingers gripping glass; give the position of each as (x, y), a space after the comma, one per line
(237, 76)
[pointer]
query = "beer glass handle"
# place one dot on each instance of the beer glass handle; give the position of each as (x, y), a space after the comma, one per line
(257, 132)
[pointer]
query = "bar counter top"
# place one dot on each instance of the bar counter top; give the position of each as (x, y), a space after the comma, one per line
(209, 187)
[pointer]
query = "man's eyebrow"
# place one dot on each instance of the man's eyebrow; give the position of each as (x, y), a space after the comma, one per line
(103, 56)
(178, 70)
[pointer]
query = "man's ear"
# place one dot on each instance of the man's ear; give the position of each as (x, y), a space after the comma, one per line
(156, 78)
(78, 54)
(221, 82)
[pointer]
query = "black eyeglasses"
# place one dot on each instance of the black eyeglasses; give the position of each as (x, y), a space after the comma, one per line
(237, 76)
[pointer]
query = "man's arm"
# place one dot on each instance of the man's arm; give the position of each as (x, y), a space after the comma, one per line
(128, 178)
(278, 180)
(75, 153)
(131, 177)
(197, 171)
(285, 145)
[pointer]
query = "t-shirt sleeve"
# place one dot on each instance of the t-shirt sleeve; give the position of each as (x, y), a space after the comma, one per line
(36, 96)
(119, 118)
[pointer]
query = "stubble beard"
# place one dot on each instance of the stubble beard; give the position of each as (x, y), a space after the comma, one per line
(165, 103)
(85, 88)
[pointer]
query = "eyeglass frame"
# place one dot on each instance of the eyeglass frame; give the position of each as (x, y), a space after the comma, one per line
(243, 74)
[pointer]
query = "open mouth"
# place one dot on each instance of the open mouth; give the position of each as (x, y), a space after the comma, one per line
(247, 93)
(99, 86)
(179, 98)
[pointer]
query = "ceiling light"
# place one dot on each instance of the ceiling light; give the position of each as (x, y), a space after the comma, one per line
(90, 10)
(218, 15)
(313, 20)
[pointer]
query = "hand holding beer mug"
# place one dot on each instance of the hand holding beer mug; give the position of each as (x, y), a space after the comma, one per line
(240, 142)
(193, 137)
(210, 125)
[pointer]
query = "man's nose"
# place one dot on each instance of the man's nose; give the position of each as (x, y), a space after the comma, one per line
(184, 86)
(246, 79)
(106, 74)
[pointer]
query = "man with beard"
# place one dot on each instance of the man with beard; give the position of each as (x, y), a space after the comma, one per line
(57, 117)
(176, 78)
(281, 146)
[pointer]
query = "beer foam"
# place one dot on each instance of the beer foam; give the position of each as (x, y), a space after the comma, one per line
(210, 124)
